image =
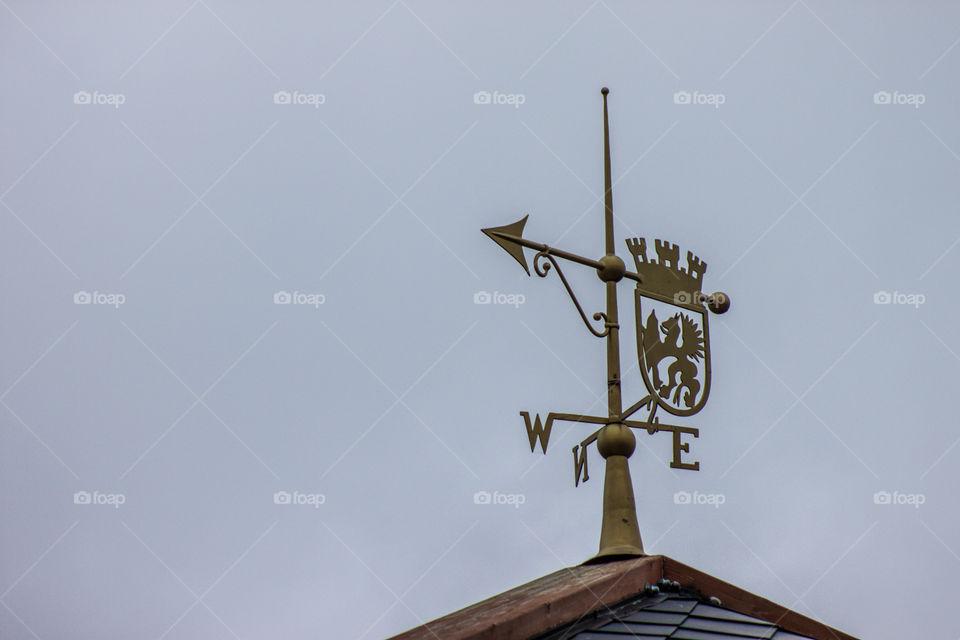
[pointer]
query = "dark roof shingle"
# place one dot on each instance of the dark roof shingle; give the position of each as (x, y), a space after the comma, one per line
(679, 616)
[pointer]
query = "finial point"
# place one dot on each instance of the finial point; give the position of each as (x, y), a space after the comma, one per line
(604, 91)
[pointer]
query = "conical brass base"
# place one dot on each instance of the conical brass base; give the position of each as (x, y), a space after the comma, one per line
(619, 533)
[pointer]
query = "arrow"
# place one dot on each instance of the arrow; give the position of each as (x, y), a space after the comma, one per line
(507, 237)
(510, 238)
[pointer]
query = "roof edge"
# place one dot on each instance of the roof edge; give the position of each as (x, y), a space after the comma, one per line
(553, 600)
(746, 602)
(565, 596)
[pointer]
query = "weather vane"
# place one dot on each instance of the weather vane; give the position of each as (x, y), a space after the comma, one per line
(673, 352)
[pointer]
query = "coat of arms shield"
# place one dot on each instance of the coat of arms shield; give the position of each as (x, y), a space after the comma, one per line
(673, 339)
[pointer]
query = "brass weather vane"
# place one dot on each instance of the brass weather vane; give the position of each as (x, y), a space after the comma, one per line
(673, 353)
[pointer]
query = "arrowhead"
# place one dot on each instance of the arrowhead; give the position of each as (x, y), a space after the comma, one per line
(505, 237)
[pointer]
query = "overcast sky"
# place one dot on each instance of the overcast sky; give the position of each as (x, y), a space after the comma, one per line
(185, 456)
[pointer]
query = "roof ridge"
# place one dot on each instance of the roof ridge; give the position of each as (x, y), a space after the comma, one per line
(564, 598)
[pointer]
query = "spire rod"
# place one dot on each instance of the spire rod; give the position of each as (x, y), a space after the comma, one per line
(619, 530)
(607, 183)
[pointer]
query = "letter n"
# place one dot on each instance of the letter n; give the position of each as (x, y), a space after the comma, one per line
(580, 464)
(537, 431)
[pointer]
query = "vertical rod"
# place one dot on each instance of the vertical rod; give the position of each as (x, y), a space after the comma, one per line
(614, 402)
(619, 531)
(607, 185)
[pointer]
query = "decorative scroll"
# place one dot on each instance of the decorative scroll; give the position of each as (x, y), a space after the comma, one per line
(543, 268)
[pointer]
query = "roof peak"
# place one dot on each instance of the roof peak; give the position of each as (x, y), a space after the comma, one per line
(563, 598)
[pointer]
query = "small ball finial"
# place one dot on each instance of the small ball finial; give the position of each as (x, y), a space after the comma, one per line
(719, 302)
(611, 268)
(616, 440)
(604, 91)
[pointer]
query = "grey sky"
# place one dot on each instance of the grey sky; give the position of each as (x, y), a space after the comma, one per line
(148, 155)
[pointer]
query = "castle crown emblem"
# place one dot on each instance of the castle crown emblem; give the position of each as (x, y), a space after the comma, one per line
(664, 275)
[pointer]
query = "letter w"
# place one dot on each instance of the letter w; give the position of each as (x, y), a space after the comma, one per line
(537, 431)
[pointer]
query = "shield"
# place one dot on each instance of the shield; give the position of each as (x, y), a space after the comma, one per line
(673, 346)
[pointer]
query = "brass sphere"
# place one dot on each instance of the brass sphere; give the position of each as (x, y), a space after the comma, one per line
(719, 302)
(616, 440)
(611, 269)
